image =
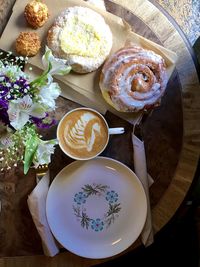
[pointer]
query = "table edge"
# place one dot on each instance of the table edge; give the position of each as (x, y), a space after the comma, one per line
(182, 34)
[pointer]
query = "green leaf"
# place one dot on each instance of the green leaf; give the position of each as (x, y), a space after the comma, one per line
(31, 147)
(40, 80)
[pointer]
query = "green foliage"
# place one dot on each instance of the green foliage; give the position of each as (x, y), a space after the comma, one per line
(30, 150)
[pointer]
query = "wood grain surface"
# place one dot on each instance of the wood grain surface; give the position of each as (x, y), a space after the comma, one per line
(177, 154)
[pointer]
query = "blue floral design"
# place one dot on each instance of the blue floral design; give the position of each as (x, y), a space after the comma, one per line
(108, 218)
(111, 196)
(97, 225)
(80, 198)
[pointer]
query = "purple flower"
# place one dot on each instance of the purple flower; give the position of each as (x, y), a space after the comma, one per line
(43, 123)
(3, 111)
(12, 89)
(3, 104)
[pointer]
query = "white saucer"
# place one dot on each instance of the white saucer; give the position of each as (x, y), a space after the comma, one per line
(96, 208)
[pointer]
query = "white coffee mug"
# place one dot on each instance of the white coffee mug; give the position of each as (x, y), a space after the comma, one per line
(83, 133)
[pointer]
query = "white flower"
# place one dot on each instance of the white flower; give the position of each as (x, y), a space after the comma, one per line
(6, 141)
(55, 65)
(19, 111)
(12, 71)
(48, 94)
(44, 151)
(5, 136)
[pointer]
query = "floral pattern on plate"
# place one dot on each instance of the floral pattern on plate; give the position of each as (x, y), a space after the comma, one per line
(99, 190)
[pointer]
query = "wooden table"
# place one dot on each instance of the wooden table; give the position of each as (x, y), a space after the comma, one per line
(173, 130)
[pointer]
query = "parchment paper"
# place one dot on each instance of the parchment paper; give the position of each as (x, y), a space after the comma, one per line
(86, 85)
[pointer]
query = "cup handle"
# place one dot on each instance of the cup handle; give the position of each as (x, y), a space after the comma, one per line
(119, 130)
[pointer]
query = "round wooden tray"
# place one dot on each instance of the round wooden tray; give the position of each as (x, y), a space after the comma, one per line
(171, 136)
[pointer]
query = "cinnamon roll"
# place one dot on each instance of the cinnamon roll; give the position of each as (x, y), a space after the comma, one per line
(133, 79)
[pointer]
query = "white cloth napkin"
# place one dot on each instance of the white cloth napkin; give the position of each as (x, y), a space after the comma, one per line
(141, 172)
(37, 206)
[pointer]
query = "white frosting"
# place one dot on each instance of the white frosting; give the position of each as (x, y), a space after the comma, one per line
(74, 136)
(82, 37)
(142, 82)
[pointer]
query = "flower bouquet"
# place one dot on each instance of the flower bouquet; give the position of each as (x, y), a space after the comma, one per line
(25, 106)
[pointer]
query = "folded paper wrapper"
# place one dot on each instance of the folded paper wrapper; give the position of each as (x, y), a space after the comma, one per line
(84, 89)
(37, 202)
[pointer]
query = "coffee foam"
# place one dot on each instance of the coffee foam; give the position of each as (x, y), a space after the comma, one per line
(83, 134)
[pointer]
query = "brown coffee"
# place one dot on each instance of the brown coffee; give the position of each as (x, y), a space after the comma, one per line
(82, 134)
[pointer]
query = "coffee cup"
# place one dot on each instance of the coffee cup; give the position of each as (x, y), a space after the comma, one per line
(83, 133)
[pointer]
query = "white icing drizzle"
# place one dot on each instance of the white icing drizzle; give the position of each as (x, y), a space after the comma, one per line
(142, 82)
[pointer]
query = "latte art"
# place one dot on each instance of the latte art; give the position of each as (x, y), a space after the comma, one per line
(75, 135)
(82, 133)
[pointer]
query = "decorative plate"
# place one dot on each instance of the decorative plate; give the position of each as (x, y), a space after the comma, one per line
(96, 208)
